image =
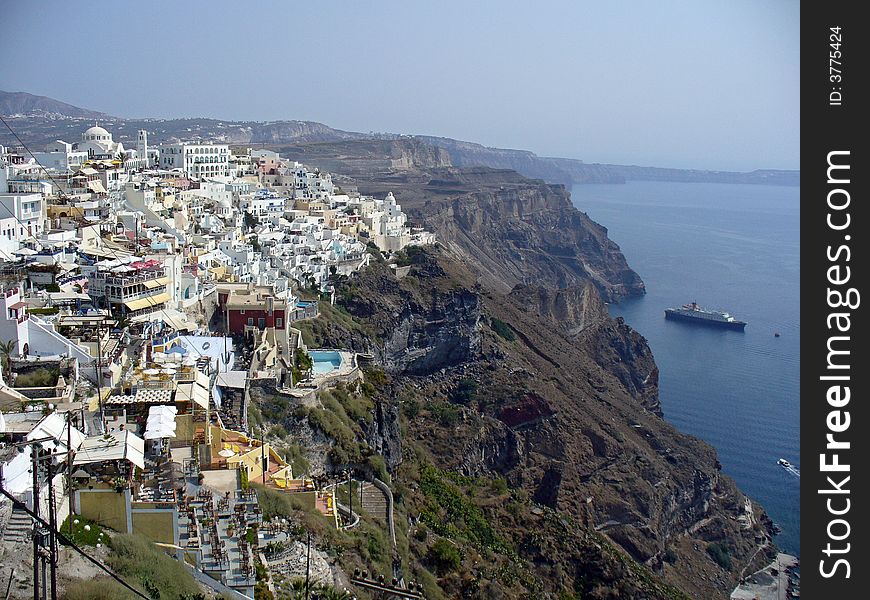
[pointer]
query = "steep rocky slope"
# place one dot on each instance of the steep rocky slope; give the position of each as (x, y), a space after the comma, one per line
(563, 404)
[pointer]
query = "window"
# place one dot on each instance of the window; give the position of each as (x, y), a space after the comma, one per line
(251, 321)
(279, 322)
(261, 322)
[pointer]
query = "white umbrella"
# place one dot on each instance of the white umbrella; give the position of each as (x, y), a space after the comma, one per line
(226, 453)
(151, 371)
(170, 371)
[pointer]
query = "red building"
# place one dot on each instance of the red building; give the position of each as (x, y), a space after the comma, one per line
(253, 310)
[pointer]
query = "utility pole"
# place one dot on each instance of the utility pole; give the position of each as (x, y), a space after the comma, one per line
(35, 466)
(69, 463)
(100, 379)
(308, 567)
(52, 528)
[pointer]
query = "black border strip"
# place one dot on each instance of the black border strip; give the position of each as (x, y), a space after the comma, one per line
(834, 259)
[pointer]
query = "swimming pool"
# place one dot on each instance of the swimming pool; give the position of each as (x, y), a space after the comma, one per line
(325, 361)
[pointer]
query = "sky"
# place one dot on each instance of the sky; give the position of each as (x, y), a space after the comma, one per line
(690, 84)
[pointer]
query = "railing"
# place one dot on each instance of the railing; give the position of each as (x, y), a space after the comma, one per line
(127, 298)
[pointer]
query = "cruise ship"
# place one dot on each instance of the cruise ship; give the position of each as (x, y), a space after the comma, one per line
(695, 314)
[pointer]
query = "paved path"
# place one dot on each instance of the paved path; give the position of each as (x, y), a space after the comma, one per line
(763, 585)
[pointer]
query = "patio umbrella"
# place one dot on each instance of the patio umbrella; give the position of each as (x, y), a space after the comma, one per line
(178, 350)
(226, 453)
(170, 371)
(151, 372)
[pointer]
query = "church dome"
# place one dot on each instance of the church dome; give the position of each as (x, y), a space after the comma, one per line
(95, 131)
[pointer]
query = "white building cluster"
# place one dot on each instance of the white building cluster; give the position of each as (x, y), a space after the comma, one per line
(149, 231)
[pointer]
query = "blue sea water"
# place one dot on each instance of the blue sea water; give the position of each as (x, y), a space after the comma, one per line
(730, 247)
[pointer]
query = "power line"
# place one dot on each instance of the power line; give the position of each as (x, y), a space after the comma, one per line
(36, 160)
(66, 540)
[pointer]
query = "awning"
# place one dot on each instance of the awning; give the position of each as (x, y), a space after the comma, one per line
(142, 396)
(120, 445)
(191, 392)
(96, 186)
(152, 301)
(153, 283)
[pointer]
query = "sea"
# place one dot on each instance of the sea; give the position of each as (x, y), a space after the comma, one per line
(736, 248)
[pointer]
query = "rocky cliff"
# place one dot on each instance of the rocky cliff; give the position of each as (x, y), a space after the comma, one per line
(540, 387)
(516, 231)
(569, 171)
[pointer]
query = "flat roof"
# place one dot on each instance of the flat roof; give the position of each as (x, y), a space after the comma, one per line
(245, 300)
(232, 379)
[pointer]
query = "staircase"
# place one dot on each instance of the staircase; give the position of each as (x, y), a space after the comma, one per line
(19, 528)
(373, 501)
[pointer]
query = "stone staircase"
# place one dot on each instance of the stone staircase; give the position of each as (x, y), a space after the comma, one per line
(19, 528)
(374, 501)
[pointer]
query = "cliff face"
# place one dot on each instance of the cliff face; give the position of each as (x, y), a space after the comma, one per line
(368, 158)
(526, 234)
(564, 406)
(552, 170)
(573, 309)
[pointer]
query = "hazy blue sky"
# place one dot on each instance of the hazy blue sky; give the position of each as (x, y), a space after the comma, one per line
(694, 83)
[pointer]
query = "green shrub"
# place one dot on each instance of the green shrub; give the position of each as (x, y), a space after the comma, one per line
(503, 329)
(670, 556)
(466, 391)
(446, 414)
(450, 512)
(379, 467)
(499, 485)
(412, 408)
(376, 377)
(101, 588)
(719, 552)
(421, 533)
(42, 377)
(445, 556)
(81, 536)
(144, 565)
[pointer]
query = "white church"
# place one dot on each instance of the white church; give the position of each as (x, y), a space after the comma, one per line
(97, 144)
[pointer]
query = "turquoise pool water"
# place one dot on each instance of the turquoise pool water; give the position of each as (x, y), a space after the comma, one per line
(325, 361)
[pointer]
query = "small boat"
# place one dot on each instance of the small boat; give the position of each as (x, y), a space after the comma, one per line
(783, 462)
(775, 334)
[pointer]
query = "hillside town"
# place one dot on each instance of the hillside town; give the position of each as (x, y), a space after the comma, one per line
(146, 292)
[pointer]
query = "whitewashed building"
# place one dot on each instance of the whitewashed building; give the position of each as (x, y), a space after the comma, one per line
(197, 160)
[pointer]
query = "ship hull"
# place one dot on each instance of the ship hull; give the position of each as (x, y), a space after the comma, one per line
(676, 316)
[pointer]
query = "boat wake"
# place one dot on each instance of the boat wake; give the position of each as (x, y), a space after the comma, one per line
(789, 467)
